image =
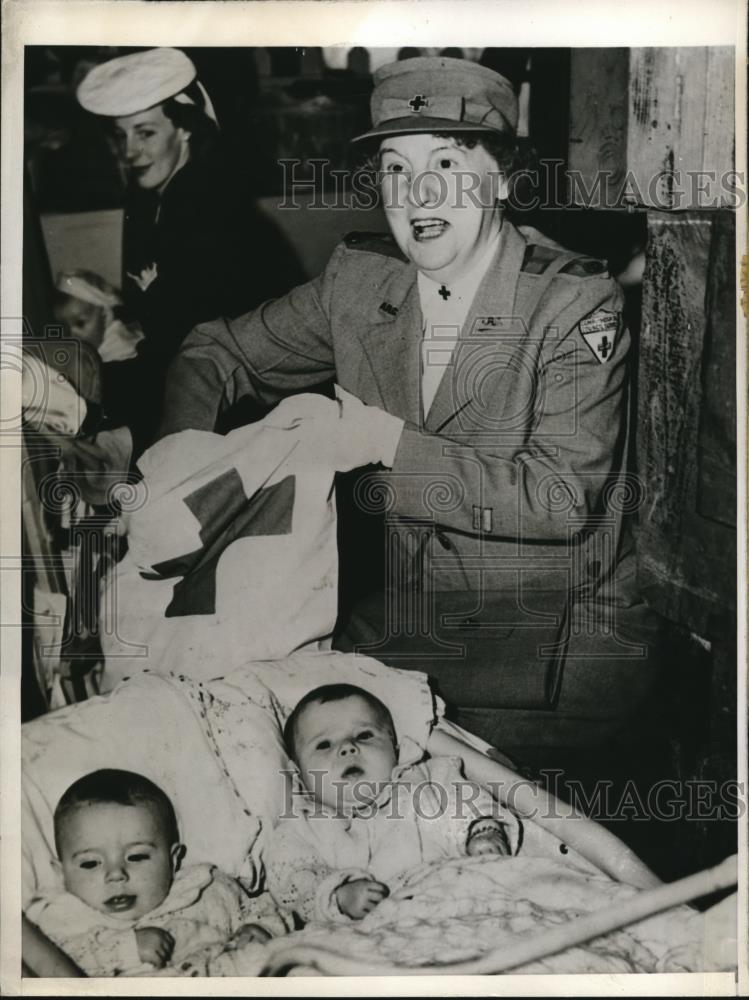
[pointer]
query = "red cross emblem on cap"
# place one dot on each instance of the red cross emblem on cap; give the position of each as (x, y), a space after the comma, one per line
(418, 102)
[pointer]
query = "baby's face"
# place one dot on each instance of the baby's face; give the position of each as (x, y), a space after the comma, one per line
(350, 745)
(116, 858)
(84, 320)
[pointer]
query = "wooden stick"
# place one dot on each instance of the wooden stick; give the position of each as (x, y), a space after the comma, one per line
(510, 956)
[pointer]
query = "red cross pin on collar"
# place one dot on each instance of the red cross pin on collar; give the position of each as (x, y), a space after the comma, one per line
(417, 102)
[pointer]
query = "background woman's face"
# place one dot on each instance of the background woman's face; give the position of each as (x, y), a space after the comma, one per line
(152, 147)
(440, 201)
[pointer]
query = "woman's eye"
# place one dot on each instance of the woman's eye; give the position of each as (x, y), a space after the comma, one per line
(446, 163)
(323, 745)
(394, 168)
(89, 864)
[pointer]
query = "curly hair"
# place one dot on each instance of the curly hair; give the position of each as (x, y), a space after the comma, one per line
(193, 119)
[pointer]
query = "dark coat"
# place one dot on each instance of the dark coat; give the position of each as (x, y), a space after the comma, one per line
(209, 253)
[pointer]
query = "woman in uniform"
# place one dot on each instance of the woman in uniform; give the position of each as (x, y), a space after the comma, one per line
(486, 378)
(193, 246)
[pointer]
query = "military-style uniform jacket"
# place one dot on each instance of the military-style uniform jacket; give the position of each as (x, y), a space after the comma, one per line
(515, 479)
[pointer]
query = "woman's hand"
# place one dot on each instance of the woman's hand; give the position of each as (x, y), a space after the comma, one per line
(345, 436)
(155, 945)
(360, 896)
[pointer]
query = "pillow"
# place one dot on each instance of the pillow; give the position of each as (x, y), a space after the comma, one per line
(216, 749)
(145, 725)
(280, 685)
(252, 749)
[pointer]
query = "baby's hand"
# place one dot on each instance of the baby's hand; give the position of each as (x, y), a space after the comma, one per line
(155, 945)
(487, 836)
(359, 897)
(249, 933)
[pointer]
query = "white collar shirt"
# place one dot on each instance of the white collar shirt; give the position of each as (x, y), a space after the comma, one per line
(444, 309)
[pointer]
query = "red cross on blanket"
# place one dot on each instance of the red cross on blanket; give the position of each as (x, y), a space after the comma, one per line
(225, 515)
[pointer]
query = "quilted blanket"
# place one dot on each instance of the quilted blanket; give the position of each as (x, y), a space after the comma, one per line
(461, 909)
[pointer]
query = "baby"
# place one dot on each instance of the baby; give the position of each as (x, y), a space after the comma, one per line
(128, 906)
(87, 306)
(365, 821)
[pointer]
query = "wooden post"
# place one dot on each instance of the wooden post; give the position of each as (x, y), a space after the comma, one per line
(652, 127)
(687, 549)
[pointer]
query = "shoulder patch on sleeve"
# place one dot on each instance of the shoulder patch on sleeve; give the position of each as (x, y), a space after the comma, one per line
(379, 243)
(599, 331)
(586, 267)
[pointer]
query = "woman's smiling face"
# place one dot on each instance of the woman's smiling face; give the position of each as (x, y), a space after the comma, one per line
(440, 201)
(152, 147)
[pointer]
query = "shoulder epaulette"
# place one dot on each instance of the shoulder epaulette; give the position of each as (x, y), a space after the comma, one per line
(586, 267)
(379, 243)
(537, 258)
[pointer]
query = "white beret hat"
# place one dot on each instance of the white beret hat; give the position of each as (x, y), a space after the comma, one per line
(132, 83)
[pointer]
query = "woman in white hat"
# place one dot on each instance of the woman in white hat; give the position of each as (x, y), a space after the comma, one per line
(485, 372)
(193, 245)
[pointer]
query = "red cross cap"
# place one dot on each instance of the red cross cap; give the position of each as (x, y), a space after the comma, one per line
(463, 97)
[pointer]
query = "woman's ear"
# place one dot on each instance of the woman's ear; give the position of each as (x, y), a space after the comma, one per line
(177, 852)
(501, 188)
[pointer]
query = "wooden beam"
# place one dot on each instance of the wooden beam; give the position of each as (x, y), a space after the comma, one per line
(659, 122)
(687, 554)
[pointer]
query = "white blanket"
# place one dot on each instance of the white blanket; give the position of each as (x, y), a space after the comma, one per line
(232, 550)
(461, 909)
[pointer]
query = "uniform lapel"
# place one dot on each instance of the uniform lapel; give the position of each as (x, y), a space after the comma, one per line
(495, 298)
(392, 344)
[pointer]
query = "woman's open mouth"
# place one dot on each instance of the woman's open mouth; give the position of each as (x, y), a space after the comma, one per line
(119, 904)
(428, 229)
